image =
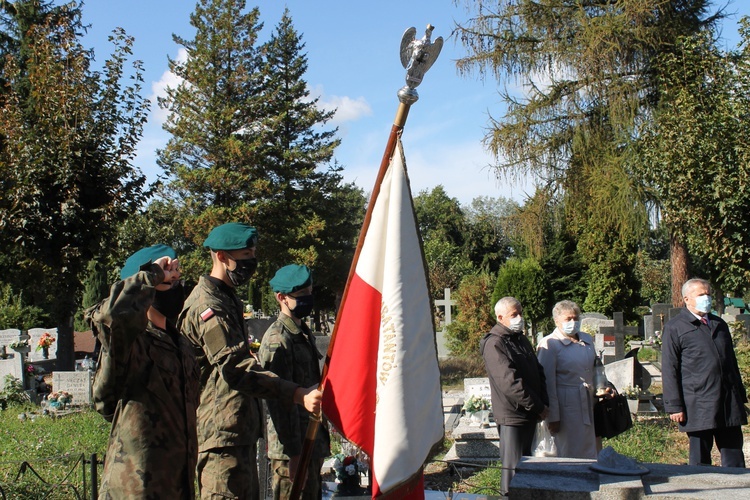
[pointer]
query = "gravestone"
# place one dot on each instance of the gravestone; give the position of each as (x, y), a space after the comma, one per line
(7, 337)
(76, 383)
(591, 322)
(648, 326)
(256, 327)
(611, 339)
(447, 307)
(11, 366)
(660, 315)
(479, 387)
(471, 441)
(35, 334)
(628, 372)
(322, 342)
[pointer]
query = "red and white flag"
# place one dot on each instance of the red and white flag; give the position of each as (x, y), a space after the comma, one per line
(382, 388)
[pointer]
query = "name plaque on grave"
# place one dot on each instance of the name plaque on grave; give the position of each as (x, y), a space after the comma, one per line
(478, 387)
(78, 384)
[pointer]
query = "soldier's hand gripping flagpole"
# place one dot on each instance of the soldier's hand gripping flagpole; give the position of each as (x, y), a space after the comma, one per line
(417, 56)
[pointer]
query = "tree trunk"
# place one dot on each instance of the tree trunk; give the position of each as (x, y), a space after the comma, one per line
(679, 258)
(718, 295)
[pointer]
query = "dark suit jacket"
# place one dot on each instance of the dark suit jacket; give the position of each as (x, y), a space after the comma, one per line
(700, 375)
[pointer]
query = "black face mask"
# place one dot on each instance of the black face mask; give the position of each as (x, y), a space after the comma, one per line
(243, 271)
(303, 307)
(170, 302)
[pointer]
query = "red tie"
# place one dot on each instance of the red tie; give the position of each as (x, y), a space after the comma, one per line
(704, 321)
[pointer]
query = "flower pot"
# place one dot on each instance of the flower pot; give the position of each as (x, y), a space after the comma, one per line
(45, 352)
(480, 416)
(633, 405)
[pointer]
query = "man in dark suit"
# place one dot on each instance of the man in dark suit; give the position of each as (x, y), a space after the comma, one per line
(702, 385)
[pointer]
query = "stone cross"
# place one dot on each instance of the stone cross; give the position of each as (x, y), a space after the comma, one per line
(614, 338)
(447, 304)
(660, 314)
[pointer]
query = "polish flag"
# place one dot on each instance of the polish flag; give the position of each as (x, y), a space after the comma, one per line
(382, 386)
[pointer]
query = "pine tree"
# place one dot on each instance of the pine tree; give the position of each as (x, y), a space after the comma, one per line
(248, 144)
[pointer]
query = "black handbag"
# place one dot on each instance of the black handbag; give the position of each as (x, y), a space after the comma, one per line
(612, 416)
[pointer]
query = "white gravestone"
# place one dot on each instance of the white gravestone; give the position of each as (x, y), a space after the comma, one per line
(12, 366)
(76, 383)
(7, 337)
(479, 387)
(36, 334)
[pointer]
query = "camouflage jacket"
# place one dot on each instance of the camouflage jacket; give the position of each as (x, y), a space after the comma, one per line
(231, 378)
(146, 384)
(289, 351)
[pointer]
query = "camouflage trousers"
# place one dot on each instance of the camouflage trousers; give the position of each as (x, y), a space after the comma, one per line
(229, 472)
(282, 485)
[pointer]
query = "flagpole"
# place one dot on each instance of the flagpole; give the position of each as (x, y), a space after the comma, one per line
(417, 56)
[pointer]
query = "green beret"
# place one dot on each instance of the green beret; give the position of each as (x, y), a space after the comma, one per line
(144, 257)
(232, 236)
(291, 278)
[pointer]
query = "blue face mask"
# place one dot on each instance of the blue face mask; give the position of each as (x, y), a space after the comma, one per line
(571, 327)
(703, 303)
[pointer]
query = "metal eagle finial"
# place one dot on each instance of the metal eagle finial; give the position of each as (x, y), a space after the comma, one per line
(417, 56)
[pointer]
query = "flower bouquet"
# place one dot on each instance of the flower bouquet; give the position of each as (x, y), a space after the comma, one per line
(45, 341)
(347, 470)
(59, 399)
(631, 392)
(655, 340)
(20, 345)
(478, 409)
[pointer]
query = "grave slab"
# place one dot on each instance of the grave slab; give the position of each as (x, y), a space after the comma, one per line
(76, 383)
(570, 478)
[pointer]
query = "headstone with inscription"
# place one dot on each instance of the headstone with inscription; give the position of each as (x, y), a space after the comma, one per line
(76, 383)
(479, 387)
(7, 337)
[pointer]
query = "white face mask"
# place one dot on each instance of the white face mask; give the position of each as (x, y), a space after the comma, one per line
(571, 327)
(516, 324)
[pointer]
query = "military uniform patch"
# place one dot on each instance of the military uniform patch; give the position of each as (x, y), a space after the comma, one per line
(207, 314)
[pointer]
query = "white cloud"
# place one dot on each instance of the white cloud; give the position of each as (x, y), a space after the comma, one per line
(347, 109)
(159, 89)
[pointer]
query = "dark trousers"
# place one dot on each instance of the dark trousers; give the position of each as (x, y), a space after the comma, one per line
(515, 442)
(728, 440)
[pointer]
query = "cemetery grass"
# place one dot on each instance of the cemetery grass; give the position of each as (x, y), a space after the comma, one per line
(52, 448)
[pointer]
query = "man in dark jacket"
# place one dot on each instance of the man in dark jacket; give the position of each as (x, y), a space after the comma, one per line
(702, 385)
(517, 386)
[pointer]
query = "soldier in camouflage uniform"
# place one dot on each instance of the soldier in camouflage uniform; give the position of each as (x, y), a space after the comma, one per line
(288, 349)
(146, 382)
(229, 416)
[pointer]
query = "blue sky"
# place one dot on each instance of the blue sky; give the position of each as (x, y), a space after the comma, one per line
(353, 65)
